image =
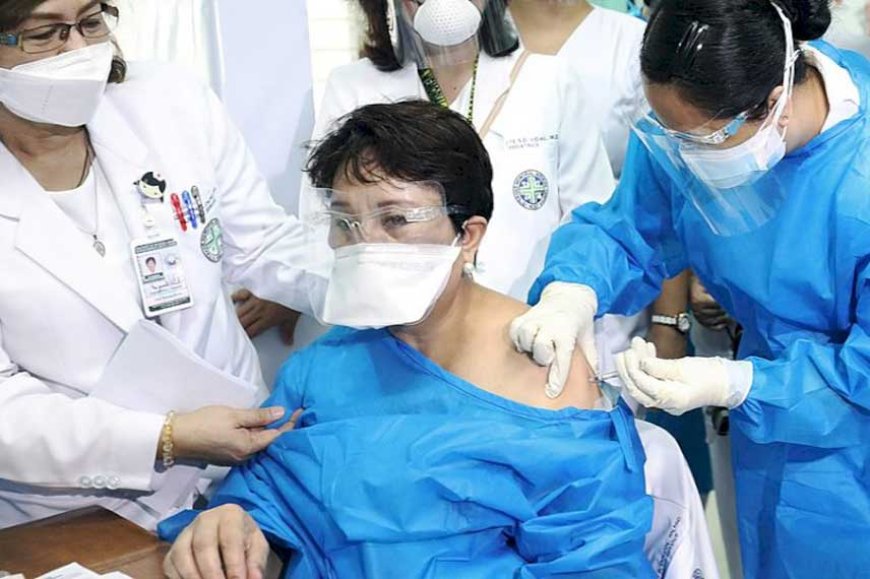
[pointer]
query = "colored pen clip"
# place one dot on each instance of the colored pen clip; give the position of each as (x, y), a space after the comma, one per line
(198, 200)
(179, 212)
(191, 212)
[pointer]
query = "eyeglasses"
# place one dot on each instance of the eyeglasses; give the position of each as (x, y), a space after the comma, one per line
(93, 26)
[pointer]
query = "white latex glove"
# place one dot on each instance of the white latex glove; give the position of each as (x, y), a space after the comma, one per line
(550, 331)
(677, 386)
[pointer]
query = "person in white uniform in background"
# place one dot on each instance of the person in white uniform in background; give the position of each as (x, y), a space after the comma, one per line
(105, 166)
(541, 132)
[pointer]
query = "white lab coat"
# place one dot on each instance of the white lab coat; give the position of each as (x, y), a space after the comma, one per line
(62, 315)
(603, 54)
(678, 545)
(544, 126)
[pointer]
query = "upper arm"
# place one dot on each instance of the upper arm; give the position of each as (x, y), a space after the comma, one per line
(290, 385)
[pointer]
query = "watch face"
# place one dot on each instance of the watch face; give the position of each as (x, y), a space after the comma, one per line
(684, 324)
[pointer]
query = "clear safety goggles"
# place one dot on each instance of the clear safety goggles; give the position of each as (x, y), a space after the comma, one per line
(650, 123)
(412, 213)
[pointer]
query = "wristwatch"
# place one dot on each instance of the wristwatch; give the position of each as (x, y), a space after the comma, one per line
(681, 322)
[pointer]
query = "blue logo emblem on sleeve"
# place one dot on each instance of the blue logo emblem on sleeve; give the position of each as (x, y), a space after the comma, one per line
(531, 189)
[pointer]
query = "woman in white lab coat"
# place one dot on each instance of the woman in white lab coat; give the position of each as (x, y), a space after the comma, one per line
(93, 173)
(546, 151)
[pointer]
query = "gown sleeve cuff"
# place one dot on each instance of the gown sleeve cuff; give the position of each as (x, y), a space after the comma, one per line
(740, 375)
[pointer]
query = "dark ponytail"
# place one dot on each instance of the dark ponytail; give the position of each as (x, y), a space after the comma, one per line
(810, 19)
(725, 57)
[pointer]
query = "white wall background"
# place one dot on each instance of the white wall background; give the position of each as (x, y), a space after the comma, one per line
(335, 29)
(185, 32)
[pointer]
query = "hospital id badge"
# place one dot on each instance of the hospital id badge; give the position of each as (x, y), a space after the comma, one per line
(160, 275)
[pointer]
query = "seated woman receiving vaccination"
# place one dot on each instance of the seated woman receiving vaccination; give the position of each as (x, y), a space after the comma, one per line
(427, 446)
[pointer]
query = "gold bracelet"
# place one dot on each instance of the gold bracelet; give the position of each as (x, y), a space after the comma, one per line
(167, 441)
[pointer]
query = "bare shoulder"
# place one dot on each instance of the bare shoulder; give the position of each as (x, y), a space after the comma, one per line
(519, 377)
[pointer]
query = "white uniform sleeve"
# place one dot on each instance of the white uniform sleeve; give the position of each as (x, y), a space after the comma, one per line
(585, 173)
(264, 247)
(49, 439)
(678, 546)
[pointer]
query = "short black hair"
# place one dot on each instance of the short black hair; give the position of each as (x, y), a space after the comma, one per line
(409, 141)
(151, 259)
(743, 54)
(497, 35)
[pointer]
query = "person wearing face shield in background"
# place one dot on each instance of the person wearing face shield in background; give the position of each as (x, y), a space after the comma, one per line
(421, 449)
(106, 166)
(752, 168)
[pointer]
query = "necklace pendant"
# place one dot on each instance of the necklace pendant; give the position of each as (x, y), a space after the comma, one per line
(99, 247)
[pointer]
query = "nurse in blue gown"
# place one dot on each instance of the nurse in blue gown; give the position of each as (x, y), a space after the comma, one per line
(753, 169)
(427, 447)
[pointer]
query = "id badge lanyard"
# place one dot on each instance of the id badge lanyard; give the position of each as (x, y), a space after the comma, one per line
(157, 257)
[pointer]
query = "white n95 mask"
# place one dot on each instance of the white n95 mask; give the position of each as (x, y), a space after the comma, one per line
(447, 22)
(377, 285)
(60, 90)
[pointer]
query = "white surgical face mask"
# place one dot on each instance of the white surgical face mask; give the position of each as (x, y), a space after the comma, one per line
(447, 22)
(60, 90)
(739, 165)
(377, 285)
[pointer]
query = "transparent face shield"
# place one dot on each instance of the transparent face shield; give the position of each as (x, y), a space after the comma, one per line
(389, 249)
(437, 33)
(732, 187)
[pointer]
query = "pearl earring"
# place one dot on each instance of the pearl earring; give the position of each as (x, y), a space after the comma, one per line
(468, 270)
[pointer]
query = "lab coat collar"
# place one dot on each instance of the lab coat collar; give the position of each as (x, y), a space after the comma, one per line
(124, 159)
(51, 239)
(493, 78)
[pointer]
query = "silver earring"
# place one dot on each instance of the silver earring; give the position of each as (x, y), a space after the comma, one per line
(468, 270)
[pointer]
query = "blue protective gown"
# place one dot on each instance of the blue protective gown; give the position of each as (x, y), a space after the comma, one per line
(403, 470)
(800, 285)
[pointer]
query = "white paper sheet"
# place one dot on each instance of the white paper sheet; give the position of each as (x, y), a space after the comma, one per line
(76, 571)
(71, 571)
(153, 371)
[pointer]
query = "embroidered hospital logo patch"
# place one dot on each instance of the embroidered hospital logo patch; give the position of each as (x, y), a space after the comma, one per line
(212, 241)
(531, 189)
